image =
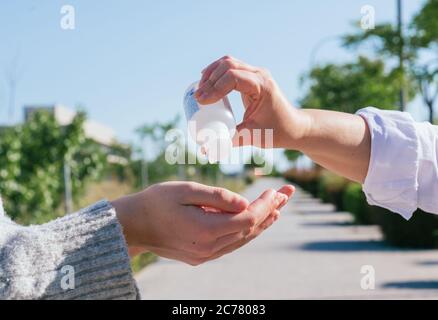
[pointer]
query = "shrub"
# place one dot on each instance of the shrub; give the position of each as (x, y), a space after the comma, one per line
(331, 189)
(306, 179)
(32, 158)
(355, 202)
(419, 232)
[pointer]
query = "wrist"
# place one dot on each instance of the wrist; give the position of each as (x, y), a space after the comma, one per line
(127, 212)
(299, 130)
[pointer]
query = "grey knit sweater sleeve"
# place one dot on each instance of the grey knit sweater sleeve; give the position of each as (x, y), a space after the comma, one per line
(80, 256)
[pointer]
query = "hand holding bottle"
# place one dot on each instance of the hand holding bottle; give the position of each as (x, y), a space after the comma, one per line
(265, 105)
(338, 141)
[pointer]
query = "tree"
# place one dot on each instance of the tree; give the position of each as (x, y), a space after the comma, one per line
(390, 42)
(384, 40)
(156, 168)
(155, 133)
(32, 157)
(349, 87)
(425, 25)
(422, 34)
(292, 155)
(427, 78)
(256, 160)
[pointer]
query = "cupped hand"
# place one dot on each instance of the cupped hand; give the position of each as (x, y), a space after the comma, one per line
(194, 223)
(266, 107)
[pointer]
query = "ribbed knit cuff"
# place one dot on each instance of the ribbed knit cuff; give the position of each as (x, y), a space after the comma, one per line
(95, 247)
(79, 256)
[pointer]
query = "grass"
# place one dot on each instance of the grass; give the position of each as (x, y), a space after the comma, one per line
(113, 189)
(231, 183)
(106, 189)
(141, 261)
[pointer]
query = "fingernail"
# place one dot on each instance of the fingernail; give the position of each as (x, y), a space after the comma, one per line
(198, 93)
(281, 199)
(203, 95)
(242, 204)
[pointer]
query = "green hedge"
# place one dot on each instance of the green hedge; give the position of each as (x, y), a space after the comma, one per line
(331, 188)
(306, 179)
(421, 231)
(355, 202)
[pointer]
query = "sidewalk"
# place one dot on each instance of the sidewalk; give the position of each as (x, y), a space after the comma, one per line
(311, 252)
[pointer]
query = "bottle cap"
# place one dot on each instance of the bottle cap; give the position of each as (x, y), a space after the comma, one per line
(218, 145)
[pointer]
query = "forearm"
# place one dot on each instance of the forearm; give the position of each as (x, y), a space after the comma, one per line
(338, 141)
(80, 256)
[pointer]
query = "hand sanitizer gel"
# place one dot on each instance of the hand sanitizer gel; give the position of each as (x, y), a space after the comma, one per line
(212, 126)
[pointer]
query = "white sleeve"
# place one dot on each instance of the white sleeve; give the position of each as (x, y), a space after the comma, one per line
(403, 170)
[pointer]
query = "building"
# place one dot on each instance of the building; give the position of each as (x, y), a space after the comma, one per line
(95, 131)
(99, 133)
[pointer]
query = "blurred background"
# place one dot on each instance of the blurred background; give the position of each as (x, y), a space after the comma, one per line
(88, 91)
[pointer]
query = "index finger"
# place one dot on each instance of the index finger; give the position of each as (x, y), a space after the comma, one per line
(208, 71)
(226, 62)
(214, 197)
(262, 207)
(245, 221)
(287, 190)
(246, 82)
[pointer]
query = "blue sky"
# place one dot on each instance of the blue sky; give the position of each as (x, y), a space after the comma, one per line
(129, 62)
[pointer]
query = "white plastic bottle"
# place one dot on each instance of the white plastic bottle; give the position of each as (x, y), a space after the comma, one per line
(212, 126)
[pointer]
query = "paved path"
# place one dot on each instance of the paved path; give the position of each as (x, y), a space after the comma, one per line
(312, 252)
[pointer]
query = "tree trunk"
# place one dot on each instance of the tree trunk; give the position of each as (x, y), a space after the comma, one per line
(431, 115)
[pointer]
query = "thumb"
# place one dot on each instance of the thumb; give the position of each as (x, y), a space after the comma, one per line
(268, 201)
(243, 136)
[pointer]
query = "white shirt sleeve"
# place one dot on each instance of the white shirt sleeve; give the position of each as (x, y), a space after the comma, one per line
(403, 170)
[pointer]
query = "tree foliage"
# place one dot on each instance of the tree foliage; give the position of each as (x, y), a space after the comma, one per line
(351, 86)
(421, 35)
(32, 157)
(385, 41)
(292, 155)
(425, 24)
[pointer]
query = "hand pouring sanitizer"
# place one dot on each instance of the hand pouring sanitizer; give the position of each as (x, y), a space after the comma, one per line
(212, 126)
